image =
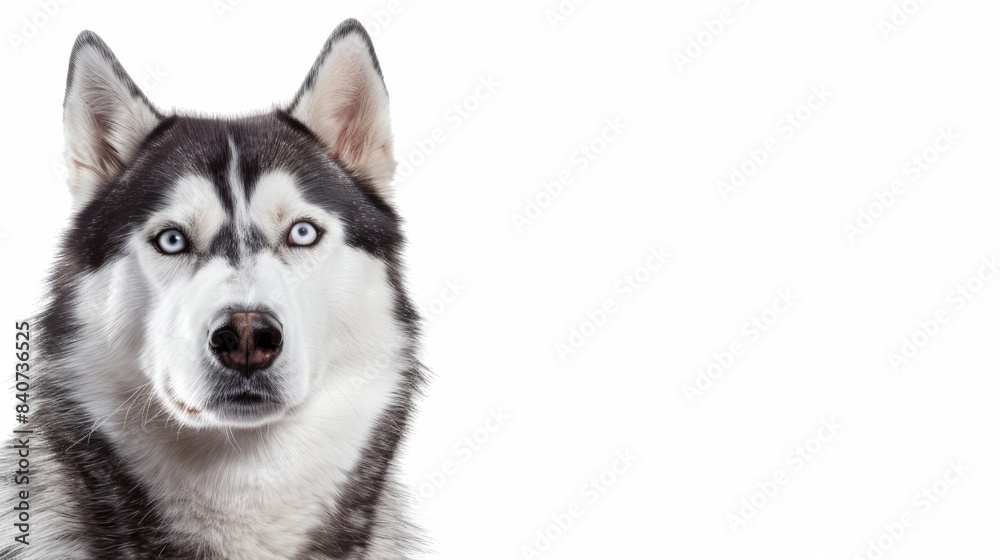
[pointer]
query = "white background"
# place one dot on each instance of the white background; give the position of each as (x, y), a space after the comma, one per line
(513, 295)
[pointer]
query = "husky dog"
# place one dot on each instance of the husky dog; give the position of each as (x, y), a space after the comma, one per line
(227, 359)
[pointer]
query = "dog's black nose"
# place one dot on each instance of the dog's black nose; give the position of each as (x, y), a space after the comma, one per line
(248, 341)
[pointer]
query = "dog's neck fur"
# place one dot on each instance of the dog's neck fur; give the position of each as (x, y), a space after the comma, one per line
(264, 488)
(253, 493)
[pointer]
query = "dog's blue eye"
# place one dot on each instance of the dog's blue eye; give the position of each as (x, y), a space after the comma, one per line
(171, 241)
(302, 234)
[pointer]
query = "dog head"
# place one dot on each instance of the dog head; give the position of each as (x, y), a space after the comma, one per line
(232, 267)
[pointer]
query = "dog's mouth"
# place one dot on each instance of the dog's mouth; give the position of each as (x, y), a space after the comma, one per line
(245, 403)
(247, 398)
(186, 408)
(181, 405)
(245, 407)
(233, 402)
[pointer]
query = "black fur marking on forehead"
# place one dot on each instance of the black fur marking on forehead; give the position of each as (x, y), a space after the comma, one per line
(225, 245)
(231, 246)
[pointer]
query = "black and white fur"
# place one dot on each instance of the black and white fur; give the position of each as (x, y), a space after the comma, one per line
(132, 455)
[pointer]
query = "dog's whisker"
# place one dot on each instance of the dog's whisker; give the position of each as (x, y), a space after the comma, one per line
(102, 420)
(142, 389)
(232, 440)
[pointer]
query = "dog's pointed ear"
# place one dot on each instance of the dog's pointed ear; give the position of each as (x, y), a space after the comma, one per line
(344, 102)
(105, 115)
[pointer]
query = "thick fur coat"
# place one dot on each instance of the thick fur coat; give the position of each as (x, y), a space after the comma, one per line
(162, 425)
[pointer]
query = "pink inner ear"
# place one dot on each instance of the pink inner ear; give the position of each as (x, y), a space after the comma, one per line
(341, 143)
(349, 143)
(347, 109)
(344, 106)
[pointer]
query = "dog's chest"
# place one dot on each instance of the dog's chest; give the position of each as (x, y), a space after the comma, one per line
(267, 504)
(270, 516)
(246, 528)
